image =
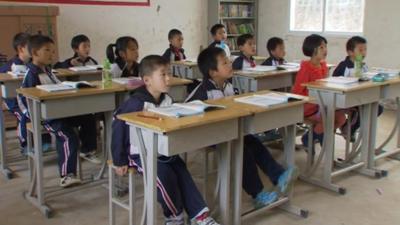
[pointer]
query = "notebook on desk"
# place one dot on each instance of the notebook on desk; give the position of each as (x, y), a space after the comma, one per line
(185, 109)
(266, 100)
(65, 86)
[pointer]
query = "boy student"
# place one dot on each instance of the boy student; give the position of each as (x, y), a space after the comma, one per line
(22, 57)
(276, 50)
(218, 33)
(175, 51)
(217, 70)
(176, 189)
(355, 46)
(80, 44)
(247, 47)
(41, 49)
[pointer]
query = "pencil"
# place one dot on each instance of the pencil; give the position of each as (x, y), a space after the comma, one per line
(149, 117)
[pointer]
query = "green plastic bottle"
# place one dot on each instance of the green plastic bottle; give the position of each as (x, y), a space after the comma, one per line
(358, 61)
(106, 74)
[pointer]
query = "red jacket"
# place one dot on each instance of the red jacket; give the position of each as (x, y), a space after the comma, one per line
(308, 73)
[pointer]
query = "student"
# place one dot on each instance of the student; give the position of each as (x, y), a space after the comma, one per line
(176, 189)
(218, 33)
(124, 58)
(276, 51)
(41, 49)
(80, 44)
(175, 51)
(22, 57)
(355, 46)
(315, 47)
(247, 47)
(217, 70)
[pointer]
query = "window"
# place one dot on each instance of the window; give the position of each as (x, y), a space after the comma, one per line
(327, 16)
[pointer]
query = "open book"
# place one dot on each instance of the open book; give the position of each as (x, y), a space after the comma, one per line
(86, 68)
(266, 100)
(65, 86)
(341, 80)
(260, 69)
(185, 109)
(287, 66)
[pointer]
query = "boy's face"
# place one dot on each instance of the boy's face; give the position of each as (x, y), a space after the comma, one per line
(159, 80)
(23, 53)
(131, 54)
(224, 68)
(322, 51)
(279, 52)
(220, 35)
(177, 41)
(249, 47)
(45, 54)
(83, 49)
(359, 49)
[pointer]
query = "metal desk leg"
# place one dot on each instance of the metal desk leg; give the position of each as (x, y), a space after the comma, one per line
(224, 171)
(3, 151)
(108, 116)
(237, 170)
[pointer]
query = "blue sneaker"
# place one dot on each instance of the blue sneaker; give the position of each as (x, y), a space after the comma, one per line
(265, 198)
(286, 180)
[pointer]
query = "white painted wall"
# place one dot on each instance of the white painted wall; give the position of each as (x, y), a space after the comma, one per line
(149, 25)
(380, 28)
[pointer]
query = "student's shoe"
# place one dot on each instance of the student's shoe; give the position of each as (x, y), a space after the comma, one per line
(207, 221)
(91, 157)
(69, 181)
(178, 220)
(286, 180)
(265, 198)
(316, 137)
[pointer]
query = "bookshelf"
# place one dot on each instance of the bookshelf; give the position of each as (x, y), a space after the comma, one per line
(238, 16)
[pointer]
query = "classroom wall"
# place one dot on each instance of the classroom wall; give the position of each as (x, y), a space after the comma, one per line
(380, 28)
(149, 25)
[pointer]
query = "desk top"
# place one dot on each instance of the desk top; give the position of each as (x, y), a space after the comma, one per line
(39, 95)
(233, 110)
(5, 77)
(184, 63)
(261, 75)
(343, 88)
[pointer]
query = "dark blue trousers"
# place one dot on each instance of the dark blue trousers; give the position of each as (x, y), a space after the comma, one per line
(255, 155)
(68, 140)
(176, 189)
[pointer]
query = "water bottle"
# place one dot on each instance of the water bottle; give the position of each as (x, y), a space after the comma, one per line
(106, 74)
(358, 61)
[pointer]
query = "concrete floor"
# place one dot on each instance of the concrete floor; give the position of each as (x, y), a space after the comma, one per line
(368, 201)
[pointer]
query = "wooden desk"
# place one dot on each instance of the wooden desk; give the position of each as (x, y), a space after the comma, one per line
(179, 135)
(9, 84)
(257, 81)
(285, 115)
(329, 96)
(186, 69)
(45, 105)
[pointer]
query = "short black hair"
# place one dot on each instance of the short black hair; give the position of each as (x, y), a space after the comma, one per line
(311, 44)
(77, 40)
(215, 28)
(207, 60)
(174, 32)
(273, 43)
(20, 40)
(241, 40)
(38, 41)
(150, 63)
(353, 41)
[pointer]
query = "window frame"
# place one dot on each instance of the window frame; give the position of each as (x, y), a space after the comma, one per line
(323, 31)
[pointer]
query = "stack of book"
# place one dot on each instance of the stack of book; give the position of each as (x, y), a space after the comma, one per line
(236, 10)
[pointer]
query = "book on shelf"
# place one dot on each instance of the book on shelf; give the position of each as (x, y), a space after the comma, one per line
(236, 10)
(185, 109)
(239, 28)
